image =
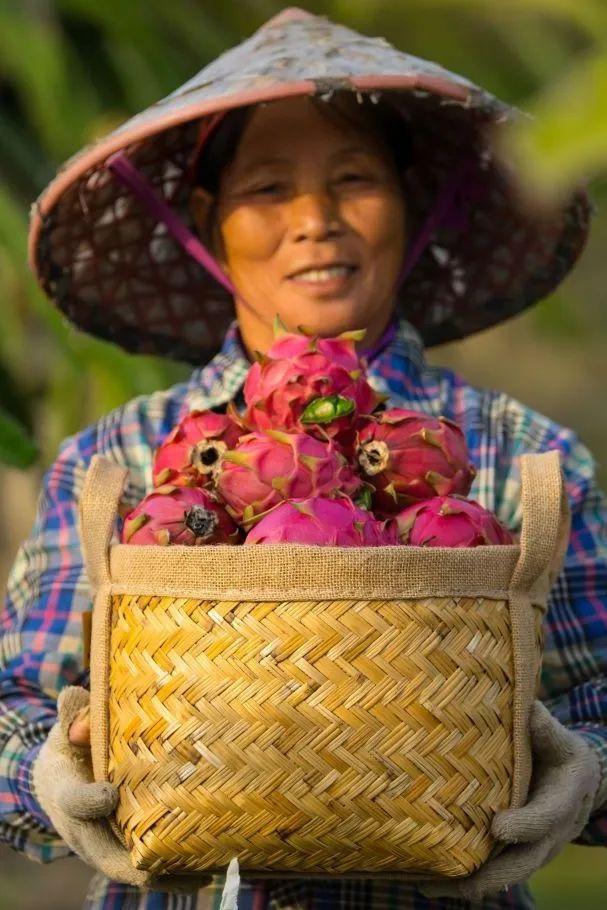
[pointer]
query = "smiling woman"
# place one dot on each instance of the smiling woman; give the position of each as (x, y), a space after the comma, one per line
(307, 216)
(337, 181)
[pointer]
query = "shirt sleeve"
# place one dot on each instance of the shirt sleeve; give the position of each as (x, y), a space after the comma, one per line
(574, 676)
(40, 651)
(574, 668)
(41, 642)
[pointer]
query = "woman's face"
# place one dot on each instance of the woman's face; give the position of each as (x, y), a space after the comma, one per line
(309, 224)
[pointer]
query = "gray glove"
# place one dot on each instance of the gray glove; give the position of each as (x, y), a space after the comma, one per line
(565, 785)
(63, 784)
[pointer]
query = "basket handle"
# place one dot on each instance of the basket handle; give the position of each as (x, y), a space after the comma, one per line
(546, 521)
(101, 492)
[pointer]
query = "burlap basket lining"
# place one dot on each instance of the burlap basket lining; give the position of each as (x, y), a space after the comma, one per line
(519, 574)
(302, 572)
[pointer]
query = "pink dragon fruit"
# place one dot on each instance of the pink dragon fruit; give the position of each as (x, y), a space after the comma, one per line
(296, 372)
(409, 456)
(192, 450)
(449, 521)
(322, 522)
(267, 468)
(179, 515)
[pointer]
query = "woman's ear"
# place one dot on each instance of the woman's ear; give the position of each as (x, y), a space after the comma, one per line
(202, 204)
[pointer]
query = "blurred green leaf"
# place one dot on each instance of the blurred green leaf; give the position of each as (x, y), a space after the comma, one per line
(21, 161)
(47, 76)
(568, 138)
(588, 14)
(16, 447)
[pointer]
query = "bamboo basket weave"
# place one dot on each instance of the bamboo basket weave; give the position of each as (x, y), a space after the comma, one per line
(316, 711)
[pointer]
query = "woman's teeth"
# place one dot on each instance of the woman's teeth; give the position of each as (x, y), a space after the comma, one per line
(336, 271)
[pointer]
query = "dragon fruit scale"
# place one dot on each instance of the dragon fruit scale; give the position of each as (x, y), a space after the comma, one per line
(297, 371)
(179, 515)
(409, 457)
(266, 468)
(449, 521)
(322, 522)
(191, 453)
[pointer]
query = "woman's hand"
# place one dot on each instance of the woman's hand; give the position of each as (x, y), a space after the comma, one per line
(566, 778)
(79, 807)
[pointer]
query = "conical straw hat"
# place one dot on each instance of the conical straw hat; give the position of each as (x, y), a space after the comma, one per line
(113, 268)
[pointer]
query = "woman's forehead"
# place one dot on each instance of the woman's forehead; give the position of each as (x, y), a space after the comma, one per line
(287, 128)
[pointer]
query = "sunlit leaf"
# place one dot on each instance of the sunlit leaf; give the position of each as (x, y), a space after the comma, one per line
(567, 140)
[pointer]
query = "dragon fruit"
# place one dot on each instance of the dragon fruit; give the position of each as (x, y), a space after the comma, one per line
(449, 521)
(322, 522)
(267, 468)
(296, 372)
(191, 453)
(409, 456)
(179, 515)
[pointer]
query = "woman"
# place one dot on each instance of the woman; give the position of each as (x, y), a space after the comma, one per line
(385, 213)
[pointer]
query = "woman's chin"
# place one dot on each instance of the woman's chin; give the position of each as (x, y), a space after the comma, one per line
(326, 316)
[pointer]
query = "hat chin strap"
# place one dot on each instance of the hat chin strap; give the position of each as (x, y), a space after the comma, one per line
(450, 209)
(127, 173)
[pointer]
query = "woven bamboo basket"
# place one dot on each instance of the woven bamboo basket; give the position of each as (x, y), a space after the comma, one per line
(316, 711)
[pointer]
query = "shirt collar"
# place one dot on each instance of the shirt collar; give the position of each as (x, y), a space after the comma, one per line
(403, 355)
(221, 379)
(401, 358)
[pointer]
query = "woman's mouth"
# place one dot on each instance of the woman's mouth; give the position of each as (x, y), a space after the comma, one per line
(329, 280)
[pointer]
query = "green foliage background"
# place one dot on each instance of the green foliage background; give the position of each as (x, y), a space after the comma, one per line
(70, 70)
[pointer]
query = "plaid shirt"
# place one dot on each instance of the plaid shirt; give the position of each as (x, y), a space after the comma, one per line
(41, 638)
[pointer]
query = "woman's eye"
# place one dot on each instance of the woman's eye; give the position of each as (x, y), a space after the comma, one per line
(267, 188)
(353, 176)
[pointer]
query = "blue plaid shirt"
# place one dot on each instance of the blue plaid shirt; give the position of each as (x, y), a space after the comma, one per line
(41, 634)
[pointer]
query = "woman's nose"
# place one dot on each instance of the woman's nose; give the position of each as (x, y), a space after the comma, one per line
(314, 217)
